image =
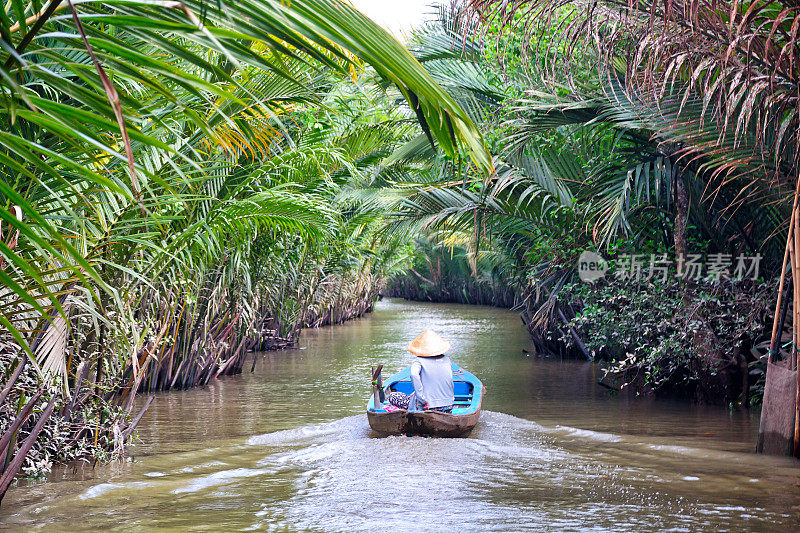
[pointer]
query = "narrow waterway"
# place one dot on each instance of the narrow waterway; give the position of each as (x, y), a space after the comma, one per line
(288, 448)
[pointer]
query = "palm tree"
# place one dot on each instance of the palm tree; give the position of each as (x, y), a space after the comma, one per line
(714, 85)
(177, 93)
(154, 152)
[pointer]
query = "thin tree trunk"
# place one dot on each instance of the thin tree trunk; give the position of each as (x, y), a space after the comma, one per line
(13, 379)
(794, 359)
(16, 463)
(8, 436)
(681, 215)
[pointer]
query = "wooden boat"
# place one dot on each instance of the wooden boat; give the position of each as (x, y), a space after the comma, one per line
(469, 393)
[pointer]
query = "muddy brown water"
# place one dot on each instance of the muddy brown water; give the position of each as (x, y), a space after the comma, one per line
(288, 448)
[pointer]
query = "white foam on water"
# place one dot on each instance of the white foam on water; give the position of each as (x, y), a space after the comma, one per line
(589, 434)
(691, 478)
(503, 419)
(311, 454)
(673, 449)
(219, 478)
(301, 435)
(99, 490)
(522, 450)
(103, 488)
(201, 466)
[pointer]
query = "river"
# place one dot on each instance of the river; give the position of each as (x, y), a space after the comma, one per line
(288, 448)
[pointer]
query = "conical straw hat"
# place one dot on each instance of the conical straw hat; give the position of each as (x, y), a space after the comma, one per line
(428, 344)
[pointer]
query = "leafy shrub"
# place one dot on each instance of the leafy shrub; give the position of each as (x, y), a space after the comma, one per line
(683, 336)
(87, 435)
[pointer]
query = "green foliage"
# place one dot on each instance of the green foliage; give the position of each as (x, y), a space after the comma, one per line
(58, 444)
(136, 148)
(449, 274)
(174, 178)
(678, 335)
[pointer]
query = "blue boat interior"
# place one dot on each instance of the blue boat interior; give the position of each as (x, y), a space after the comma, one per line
(466, 387)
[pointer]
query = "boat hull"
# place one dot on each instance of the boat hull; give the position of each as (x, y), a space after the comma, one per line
(432, 423)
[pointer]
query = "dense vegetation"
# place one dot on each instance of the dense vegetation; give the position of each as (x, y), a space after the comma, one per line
(185, 183)
(663, 133)
(175, 194)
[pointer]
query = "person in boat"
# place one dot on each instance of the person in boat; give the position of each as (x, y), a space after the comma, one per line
(431, 375)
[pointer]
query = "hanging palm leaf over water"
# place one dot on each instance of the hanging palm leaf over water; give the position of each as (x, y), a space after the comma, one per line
(722, 77)
(124, 120)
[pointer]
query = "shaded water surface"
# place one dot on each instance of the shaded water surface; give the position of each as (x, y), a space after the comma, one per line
(288, 448)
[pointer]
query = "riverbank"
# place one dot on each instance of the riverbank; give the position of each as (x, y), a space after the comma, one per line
(698, 341)
(95, 423)
(288, 446)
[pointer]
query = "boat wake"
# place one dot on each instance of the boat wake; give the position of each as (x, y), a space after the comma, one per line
(509, 474)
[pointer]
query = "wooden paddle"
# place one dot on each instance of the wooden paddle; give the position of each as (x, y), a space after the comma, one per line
(377, 386)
